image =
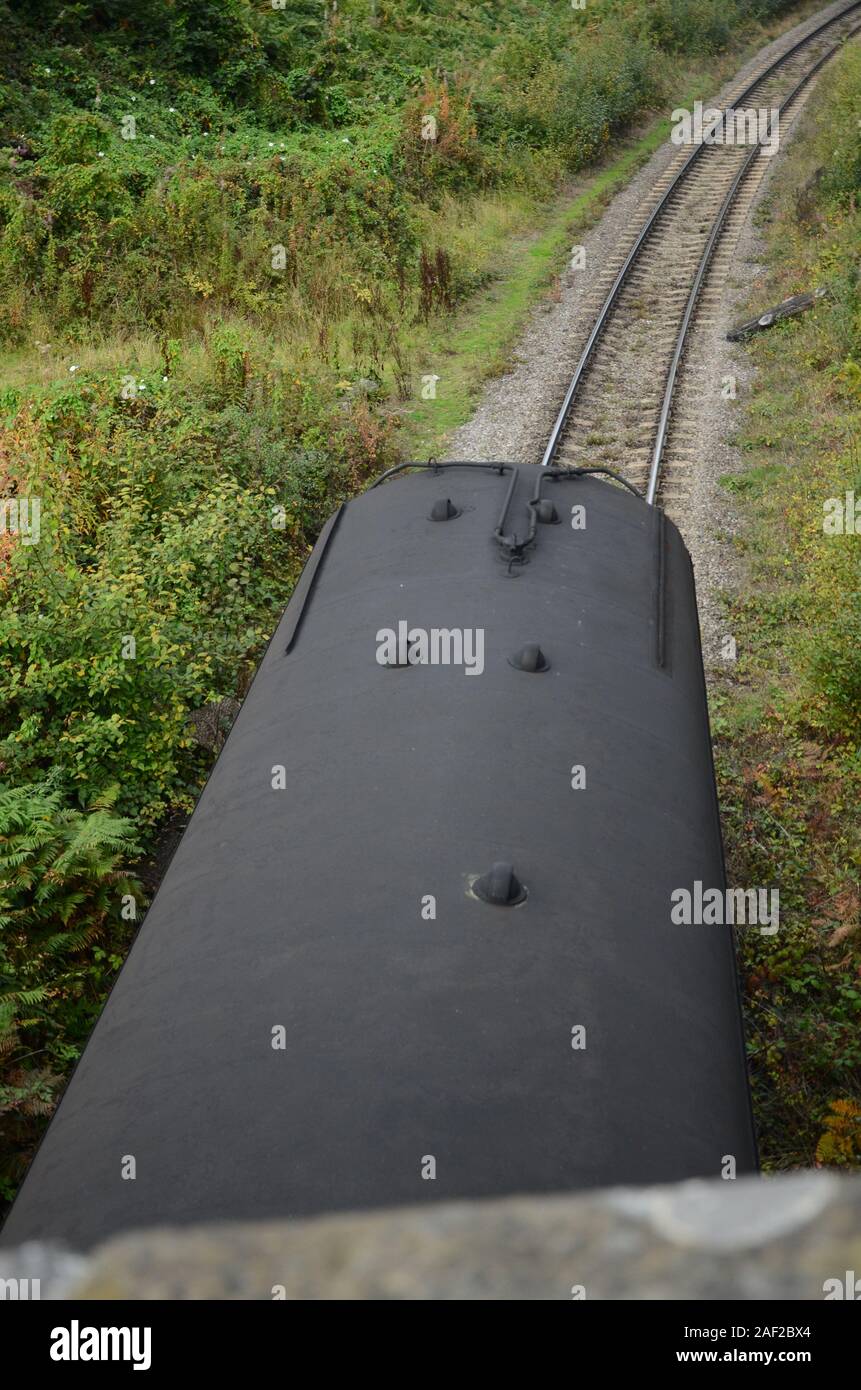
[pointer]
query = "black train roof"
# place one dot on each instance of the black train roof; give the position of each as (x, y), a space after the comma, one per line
(410, 1037)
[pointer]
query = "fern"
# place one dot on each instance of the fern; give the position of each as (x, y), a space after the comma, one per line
(61, 890)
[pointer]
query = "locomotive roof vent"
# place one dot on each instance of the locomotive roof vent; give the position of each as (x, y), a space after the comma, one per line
(444, 510)
(546, 512)
(500, 886)
(530, 658)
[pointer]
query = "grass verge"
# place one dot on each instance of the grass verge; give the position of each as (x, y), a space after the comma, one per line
(787, 721)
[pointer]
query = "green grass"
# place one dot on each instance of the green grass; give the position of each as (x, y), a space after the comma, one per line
(787, 721)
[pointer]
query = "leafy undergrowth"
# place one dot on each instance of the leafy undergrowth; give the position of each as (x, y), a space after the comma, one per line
(61, 884)
(788, 724)
(152, 156)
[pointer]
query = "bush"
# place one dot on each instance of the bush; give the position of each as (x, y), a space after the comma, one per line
(840, 1145)
(146, 233)
(161, 566)
(842, 174)
(76, 139)
(65, 909)
(680, 27)
(833, 649)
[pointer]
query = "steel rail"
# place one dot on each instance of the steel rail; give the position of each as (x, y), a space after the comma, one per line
(643, 236)
(703, 267)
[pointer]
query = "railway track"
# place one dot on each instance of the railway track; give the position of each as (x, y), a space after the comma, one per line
(632, 401)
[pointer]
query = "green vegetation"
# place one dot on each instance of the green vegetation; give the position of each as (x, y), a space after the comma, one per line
(788, 725)
(59, 886)
(304, 128)
(233, 237)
